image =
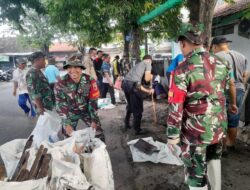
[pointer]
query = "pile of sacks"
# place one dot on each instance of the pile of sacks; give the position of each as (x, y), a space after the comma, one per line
(80, 162)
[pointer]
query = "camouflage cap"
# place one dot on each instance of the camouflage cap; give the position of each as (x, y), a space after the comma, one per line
(192, 32)
(36, 55)
(21, 60)
(75, 63)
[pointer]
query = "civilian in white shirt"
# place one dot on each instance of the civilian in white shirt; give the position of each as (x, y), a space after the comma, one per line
(20, 88)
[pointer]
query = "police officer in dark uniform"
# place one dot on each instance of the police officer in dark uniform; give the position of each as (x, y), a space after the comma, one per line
(133, 89)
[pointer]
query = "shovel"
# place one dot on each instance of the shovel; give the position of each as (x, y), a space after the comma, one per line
(154, 111)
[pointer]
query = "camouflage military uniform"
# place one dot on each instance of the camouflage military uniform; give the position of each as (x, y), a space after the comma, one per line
(76, 101)
(38, 86)
(197, 111)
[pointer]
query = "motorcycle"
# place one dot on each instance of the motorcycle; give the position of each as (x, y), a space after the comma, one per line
(6, 75)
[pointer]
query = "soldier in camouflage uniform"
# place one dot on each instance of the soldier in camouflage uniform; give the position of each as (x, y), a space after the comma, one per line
(197, 110)
(38, 86)
(76, 98)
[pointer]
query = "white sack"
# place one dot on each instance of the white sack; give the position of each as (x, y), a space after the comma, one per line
(47, 124)
(67, 175)
(65, 166)
(168, 154)
(11, 152)
(39, 184)
(97, 167)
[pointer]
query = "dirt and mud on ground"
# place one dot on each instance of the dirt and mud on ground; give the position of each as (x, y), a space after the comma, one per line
(149, 176)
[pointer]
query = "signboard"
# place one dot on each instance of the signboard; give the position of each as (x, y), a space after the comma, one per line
(4, 58)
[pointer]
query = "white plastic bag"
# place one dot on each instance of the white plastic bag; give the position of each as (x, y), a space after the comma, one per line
(157, 79)
(102, 102)
(105, 103)
(47, 124)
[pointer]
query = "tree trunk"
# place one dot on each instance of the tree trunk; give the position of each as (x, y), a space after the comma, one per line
(126, 46)
(208, 11)
(45, 50)
(202, 11)
(81, 48)
(136, 44)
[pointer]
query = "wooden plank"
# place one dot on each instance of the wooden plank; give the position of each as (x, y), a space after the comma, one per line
(22, 175)
(22, 159)
(35, 166)
(45, 166)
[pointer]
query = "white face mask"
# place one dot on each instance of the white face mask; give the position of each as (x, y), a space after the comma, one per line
(147, 61)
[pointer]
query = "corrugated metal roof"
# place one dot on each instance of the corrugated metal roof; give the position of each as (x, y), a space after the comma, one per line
(227, 9)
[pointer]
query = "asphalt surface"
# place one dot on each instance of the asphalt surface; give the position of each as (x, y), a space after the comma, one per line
(13, 122)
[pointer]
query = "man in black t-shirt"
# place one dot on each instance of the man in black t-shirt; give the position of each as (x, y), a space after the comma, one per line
(98, 67)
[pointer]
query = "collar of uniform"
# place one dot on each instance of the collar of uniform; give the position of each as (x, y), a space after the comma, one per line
(195, 51)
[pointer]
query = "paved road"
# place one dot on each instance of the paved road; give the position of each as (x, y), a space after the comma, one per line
(13, 123)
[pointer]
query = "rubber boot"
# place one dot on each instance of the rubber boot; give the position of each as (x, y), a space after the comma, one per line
(126, 121)
(137, 125)
(214, 174)
(198, 188)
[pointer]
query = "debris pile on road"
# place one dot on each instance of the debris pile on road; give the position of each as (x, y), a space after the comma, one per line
(145, 147)
(78, 162)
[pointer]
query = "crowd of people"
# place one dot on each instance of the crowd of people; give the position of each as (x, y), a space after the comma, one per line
(204, 97)
(74, 95)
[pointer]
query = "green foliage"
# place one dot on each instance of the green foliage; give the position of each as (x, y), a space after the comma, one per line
(166, 25)
(247, 13)
(37, 31)
(230, 1)
(85, 16)
(16, 10)
(92, 22)
(95, 17)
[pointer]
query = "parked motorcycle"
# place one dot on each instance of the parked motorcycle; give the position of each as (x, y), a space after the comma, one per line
(6, 75)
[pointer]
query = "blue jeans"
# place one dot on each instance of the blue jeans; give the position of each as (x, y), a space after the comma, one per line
(233, 119)
(22, 100)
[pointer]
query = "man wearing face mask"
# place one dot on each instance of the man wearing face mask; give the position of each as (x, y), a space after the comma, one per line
(197, 109)
(89, 63)
(76, 98)
(133, 89)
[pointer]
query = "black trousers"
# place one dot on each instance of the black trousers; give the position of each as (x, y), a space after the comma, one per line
(134, 104)
(107, 88)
